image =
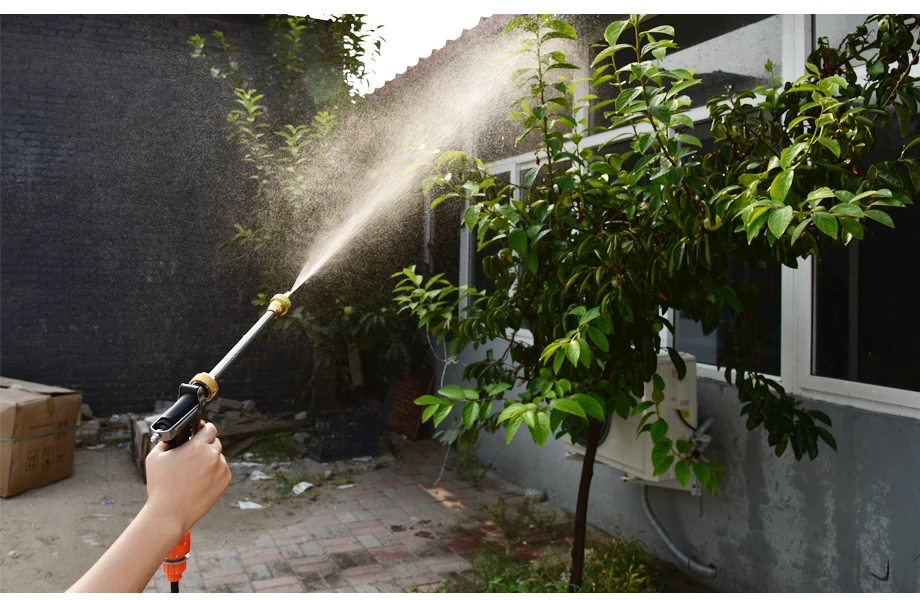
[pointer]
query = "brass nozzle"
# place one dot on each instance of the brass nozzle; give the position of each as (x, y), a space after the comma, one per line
(207, 381)
(280, 304)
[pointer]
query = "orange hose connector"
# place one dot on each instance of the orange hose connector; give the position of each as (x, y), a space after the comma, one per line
(174, 565)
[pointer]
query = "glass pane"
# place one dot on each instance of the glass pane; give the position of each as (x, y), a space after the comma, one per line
(480, 281)
(758, 289)
(836, 27)
(734, 58)
(862, 330)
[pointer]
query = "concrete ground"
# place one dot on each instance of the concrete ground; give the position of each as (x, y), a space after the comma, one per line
(391, 530)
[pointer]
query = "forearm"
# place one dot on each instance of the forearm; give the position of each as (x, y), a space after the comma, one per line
(135, 556)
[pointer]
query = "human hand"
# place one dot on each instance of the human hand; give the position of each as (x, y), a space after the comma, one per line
(185, 482)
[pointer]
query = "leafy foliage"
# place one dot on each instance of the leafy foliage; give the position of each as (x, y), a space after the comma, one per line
(285, 124)
(618, 566)
(593, 252)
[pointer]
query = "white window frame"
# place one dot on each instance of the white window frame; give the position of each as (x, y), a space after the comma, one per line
(797, 285)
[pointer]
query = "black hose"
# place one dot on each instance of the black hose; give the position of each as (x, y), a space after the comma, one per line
(174, 587)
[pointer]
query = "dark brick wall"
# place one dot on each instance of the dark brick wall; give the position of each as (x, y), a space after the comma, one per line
(117, 189)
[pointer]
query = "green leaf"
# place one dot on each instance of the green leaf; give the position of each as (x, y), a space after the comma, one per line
(881, 217)
(494, 389)
(846, 210)
(779, 220)
(826, 223)
(625, 97)
(678, 361)
(570, 406)
(914, 170)
(585, 352)
(557, 361)
(614, 31)
(428, 399)
(665, 29)
(781, 184)
(820, 194)
(789, 154)
(876, 68)
(662, 113)
(661, 457)
(591, 406)
(441, 414)
(688, 139)
(682, 472)
(573, 351)
(471, 216)
(642, 407)
(600, 340)
(511, 412)
(658, 382)
(511, 428)
(828, 438)
(903, 113)
(540, 430)
(429, 412)
(702, 473)
(458, 393)
(831, 145)
(659, 430)
(470, 414)
(517, 239)
(528, 417)
(853, 227)
(797, 232)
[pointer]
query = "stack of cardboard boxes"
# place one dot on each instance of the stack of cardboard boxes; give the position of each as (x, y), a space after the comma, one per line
(38, 426)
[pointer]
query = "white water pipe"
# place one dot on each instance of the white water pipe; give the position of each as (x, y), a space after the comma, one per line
(708, 571)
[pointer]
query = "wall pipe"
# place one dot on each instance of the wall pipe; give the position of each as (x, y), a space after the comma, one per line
(708, 571)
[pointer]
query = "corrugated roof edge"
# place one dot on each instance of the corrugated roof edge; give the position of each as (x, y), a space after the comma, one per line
(487, 26)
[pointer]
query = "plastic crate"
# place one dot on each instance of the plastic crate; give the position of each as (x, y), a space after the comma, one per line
(344, 438)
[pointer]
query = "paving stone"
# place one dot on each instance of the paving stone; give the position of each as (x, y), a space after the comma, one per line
(258, 572)
(367, 589)
(278, 584)
(392, 554)
(389, 587)
(280, 569)
(291, 551)
(369, 541)
(311, 548)
(353, 558)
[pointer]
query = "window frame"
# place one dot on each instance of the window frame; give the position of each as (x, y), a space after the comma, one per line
(796, 287)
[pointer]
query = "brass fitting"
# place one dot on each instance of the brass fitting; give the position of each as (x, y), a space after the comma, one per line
(280, 304)
(208, 382)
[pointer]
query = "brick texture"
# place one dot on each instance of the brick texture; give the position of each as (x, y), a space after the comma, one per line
(118, 188)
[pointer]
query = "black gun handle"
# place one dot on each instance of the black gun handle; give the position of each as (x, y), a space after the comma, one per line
(186, 403)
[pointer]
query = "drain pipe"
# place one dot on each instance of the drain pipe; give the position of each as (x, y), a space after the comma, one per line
(708, 571)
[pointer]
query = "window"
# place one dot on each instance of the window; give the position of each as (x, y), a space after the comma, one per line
(759, 290)
(839, 330)
(861, 331)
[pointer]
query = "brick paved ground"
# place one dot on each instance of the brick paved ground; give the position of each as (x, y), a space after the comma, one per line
(395, 531)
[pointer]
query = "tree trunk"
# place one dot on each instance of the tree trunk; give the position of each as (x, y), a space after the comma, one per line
(581, 508)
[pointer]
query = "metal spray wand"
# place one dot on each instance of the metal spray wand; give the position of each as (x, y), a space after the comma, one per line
(178, 424)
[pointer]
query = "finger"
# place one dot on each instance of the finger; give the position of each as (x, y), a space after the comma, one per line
(218, 446)
(160, 448)
(207, 434)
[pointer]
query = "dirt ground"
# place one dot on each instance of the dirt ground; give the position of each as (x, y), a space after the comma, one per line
(384, 526)
(50, 536)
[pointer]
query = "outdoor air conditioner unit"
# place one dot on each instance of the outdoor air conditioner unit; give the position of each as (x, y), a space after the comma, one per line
(620, 448)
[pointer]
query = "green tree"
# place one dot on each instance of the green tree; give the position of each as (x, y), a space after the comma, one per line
(597, 251)
(286, 122)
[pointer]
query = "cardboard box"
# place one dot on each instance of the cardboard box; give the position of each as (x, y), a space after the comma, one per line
(38, 425)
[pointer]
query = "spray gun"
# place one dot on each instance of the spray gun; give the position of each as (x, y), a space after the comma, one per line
(181, 422)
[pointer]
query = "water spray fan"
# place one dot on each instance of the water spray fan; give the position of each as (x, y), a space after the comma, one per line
(182, 421)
